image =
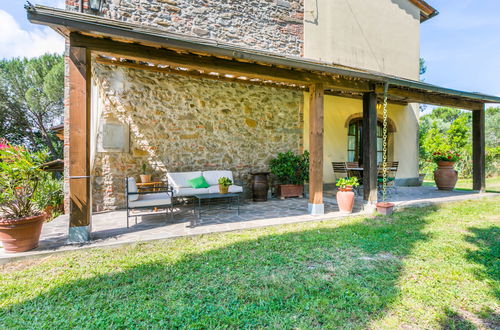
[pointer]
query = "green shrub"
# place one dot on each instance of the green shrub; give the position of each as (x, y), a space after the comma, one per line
(290, 168)
(49, 193)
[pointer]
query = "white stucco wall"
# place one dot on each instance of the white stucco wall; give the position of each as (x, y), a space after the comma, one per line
(379, 35)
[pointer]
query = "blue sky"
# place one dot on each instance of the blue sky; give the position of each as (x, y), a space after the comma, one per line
(461, 45)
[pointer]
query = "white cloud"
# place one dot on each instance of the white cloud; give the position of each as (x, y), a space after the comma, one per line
(16, 42)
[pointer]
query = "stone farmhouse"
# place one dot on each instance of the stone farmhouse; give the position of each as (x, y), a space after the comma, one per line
(183, 85)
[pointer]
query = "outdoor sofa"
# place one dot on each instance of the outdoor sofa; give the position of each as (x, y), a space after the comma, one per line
(178, 186)
(178, 181)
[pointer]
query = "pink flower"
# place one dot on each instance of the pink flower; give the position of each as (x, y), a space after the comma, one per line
(3, 146)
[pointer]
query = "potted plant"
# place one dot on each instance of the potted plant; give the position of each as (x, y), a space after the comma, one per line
(21, 219)
(345, 195)
(145, 178)
(224, 184)
(445, 176)
(291, 171)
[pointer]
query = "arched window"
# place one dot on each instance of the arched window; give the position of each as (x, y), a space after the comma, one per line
(355, 141)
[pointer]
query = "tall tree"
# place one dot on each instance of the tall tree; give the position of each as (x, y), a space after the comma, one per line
(31, 100)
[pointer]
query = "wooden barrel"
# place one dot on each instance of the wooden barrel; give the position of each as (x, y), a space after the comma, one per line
(260, 186)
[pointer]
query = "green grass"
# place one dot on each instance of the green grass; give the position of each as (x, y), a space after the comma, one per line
(421, 268)
(492, 184)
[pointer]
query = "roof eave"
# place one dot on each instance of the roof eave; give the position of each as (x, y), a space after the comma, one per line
(60, 19)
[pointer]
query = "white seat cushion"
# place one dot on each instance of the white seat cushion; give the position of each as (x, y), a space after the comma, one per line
(132, 187)
(232, 189)
(212, 177)
(189, 191)
(180, 179)
(151, 200)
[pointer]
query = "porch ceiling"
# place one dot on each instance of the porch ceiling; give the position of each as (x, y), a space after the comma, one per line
(133, 45)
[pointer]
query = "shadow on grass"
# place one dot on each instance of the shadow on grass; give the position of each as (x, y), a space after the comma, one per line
(487, 241)
(487, 255)
(452, 320)
(326, 277)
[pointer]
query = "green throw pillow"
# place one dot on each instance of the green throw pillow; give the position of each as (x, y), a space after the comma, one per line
(199, 182)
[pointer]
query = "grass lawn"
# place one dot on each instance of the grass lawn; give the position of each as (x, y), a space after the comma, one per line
(492, 184)
(421, 268)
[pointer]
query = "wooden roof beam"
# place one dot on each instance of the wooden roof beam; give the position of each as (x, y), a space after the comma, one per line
(172, 58)
(414, 96)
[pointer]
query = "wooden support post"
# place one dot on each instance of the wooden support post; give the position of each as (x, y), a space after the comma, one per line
(370, 147)
(79, 144)
(316, 95)
(478, 150)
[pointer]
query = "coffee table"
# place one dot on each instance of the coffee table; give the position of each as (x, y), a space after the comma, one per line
(230, 197)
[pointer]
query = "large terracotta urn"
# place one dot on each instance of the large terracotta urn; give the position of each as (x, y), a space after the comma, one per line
(445, 176)
(19, 235)
(345, 199)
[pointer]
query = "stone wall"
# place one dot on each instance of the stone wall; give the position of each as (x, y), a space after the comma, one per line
(179, 123)
(271, 25)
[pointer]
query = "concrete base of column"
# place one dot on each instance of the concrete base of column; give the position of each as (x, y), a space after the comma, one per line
(79, 234)
(316, 209)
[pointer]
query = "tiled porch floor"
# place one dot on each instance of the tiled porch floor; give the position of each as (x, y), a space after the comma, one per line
(110, 228)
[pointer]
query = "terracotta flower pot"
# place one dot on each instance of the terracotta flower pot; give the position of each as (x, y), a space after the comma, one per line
(290, 190)
(345, 199)
(385, 208)
(145, 178)
(445, 176)
(19, 235)
(223, 189)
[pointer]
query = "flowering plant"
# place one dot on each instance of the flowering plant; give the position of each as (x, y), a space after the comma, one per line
(20, 177)
(446, 156)
(347, 182)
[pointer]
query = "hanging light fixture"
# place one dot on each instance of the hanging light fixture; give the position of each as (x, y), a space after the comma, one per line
(95, 5)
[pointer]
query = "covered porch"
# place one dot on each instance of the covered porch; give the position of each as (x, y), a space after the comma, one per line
(93, 40)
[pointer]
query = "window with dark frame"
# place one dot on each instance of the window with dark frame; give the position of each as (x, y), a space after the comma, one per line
(355, 141)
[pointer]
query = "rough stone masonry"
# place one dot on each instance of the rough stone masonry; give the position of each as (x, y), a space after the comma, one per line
(270, 25)
(179, 123)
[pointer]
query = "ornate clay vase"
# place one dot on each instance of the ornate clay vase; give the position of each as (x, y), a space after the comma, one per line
(19, 235)
(345, 199)
(445, 176)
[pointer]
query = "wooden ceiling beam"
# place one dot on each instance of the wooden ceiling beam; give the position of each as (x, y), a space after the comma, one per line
(209, 64)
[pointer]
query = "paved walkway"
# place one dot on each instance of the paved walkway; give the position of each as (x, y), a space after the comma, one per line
(109, 228)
